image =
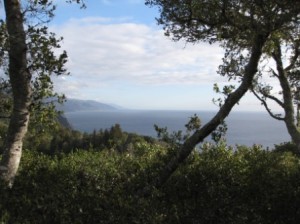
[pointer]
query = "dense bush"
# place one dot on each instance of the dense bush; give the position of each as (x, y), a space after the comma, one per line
(287, 147)
(215, 185)
(246, 186)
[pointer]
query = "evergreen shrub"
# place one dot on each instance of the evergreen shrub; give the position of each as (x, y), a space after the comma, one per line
(215, 185)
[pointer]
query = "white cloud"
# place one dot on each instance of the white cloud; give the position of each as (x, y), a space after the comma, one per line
(136, 66)
(105, 52)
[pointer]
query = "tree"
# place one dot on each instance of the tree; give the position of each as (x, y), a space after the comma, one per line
(20, 81)
(284, 45)
(244, 28)
(28, 47)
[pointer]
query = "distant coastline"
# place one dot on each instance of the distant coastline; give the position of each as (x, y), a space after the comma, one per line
(76, 105)
(244, 128)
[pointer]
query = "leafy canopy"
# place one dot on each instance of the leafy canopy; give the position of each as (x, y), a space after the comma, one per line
(236, 21)
(233, 23)
(45, 60)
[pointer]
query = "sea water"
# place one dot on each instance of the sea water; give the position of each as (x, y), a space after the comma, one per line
(244, 128)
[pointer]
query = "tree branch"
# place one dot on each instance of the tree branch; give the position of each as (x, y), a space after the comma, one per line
(274, 73)
(188, 146)
(275, 99)
(287, 97)
(264, 103)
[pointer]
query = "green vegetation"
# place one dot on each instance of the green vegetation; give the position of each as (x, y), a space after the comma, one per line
(64, 140)
(215, 185)
(251, 32)
(115, 177)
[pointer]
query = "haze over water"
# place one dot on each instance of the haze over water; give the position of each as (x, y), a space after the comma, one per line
(244, 128)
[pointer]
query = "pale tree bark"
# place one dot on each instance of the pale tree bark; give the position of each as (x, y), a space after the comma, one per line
(288, 99)
(20, 82)
(190, 144)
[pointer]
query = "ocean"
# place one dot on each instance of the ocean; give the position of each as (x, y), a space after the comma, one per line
(244, 128)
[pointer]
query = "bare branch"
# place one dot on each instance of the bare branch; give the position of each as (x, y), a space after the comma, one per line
(264, 103)
(275, 99)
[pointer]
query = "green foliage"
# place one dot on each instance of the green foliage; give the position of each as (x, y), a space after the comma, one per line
(44, 60)
(3, 128)
(176, 138)
(287, 147)
(193, 124)
(57, 140)
(219, 134)
(216, 185)
(241, 27)
(233, 23)
(225, 92)
(82, 187)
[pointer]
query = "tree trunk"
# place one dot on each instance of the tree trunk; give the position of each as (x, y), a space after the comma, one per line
(289, 118)
(20, 83)
(189, 145)
(298, 115)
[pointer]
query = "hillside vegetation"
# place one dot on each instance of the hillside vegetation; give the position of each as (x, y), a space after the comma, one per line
(112, 177)
(101, 184)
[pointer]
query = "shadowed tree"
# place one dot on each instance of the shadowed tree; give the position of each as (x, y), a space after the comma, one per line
(27, 53)
(244, 28)
(284, 51)
(20, 77)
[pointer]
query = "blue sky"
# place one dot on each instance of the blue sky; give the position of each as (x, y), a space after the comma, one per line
(118, 55)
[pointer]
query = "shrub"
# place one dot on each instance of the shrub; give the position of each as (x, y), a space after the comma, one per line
(215, 185)
(287, 147)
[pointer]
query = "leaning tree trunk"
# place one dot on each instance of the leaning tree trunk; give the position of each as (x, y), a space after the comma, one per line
(20, 83)
(189, 145)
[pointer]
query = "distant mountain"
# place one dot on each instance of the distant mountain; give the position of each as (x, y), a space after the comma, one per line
(73, 105)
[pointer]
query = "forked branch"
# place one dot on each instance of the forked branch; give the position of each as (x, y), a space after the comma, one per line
(265, 104)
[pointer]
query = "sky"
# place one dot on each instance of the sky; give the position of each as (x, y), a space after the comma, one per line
(119, 55)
